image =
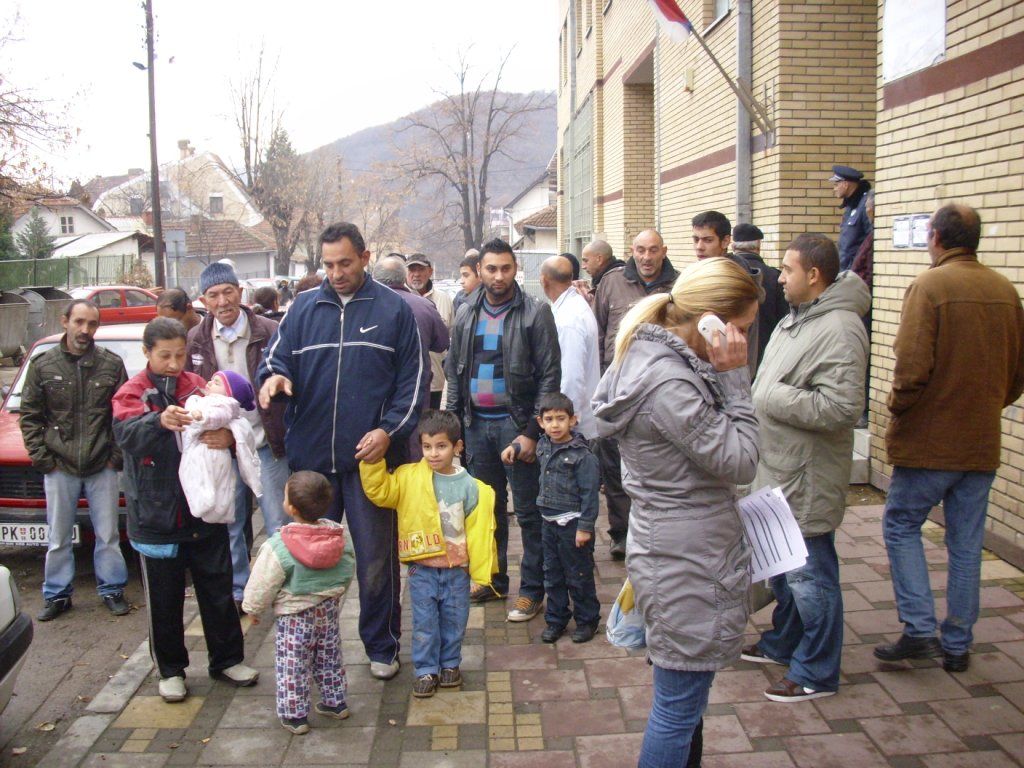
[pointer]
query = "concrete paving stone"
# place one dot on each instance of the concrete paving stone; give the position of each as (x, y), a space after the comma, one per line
(457, 759)
(549, 685)
(912, 735)
(860, 658)
(874, 622)
(752, 760)
(360, 680)
(246, 746)
(154, 712)
(733, 685)
(999, 597)
(250, 712)
(636, 701)
(912, 685)
(858, 572)
(126, 681)
(853, 701)
(980, 716)
(996, 629)
(991, 667)
(584, 718)
(1013, 649)
(771, 718)
(448, 708)
(999, 569)
(598, 648)
(875, 591)
(121, 760)
(988, 759)
(506, 657)
(855, 601)
(843, 750)
(525, 760)
(323, 746)
(1013, 743)
(724, 733)
(608, 751)
(611, 673)
(1013, 692)
(472, 658)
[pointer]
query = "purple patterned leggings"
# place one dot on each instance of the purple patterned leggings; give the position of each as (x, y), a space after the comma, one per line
(309, 642)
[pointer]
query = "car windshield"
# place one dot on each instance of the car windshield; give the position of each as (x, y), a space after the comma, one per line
(130, 350)
(81, 293)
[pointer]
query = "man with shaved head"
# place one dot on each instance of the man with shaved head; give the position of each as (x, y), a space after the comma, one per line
(648, 271)
(577, 338)
(598, 260)
(959, 363)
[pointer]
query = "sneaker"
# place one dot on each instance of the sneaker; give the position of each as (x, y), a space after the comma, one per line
(54, 607)
(296, 725)
(339, 712)
(117, 604)
(787, 691)
(585, 633)
(384, 670)
(172, 689)
(956, 662)
(908, 647)
(551, 633)
(239, 675)
(424, 686)
(618, 550)
(525, 609)
(481, 594)
(451, 678)
(755, 654)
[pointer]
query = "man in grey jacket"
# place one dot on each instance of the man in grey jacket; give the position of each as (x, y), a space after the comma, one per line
(808, 395)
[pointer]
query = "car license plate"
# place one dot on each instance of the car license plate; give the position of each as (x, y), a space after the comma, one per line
(31, 534)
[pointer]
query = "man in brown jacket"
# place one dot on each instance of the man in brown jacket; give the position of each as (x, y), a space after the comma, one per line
(959, 353)
(648, 271)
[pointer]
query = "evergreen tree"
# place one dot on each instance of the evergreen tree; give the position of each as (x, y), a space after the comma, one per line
(36, 242)
(7, 249)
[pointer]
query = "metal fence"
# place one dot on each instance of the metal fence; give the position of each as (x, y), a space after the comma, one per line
(63, 272)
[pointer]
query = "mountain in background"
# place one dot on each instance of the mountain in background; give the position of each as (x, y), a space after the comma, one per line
(528, 155)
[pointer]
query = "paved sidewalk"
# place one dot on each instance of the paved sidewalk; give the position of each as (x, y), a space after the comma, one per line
(529, 704)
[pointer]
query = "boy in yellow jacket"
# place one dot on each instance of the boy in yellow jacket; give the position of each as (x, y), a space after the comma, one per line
(446, 535)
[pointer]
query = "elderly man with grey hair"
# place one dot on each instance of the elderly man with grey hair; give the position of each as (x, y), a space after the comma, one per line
(746, 248)
(391, 271)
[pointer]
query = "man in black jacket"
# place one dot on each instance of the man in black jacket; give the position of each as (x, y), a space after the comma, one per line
(504, 356)
(746, 245)
(66, 425)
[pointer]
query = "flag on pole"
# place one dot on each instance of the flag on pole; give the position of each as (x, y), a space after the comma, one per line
(673, 21)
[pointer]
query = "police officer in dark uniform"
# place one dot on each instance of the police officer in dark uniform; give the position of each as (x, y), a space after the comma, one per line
(848, 185)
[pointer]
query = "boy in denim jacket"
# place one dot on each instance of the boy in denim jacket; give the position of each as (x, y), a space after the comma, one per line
(568, 502)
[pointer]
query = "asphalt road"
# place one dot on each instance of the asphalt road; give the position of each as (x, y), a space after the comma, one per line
(70, 659)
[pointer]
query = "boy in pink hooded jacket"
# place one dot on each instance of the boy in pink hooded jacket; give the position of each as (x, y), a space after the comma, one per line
(303, 570)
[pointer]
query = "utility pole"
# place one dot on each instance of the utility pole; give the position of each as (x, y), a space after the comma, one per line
(158, 232)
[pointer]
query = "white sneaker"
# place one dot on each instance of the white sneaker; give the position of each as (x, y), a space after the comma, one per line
(239, 675)
(172, 689)
(382, 670)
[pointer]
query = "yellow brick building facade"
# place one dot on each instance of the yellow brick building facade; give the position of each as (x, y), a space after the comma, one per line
(648, 135)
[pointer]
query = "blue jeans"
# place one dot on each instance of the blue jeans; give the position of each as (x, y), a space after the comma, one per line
(373, 532)
(274, 474)
(679, 702)
(964, 496)
(62, 493)
(807, 624)
(485, 440)
(440, 612)
(568, 572)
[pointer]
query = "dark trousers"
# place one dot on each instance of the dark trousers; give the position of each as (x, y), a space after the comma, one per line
(485, 440)
(435, 399)
(374, 534)
(568, 573)
(209, 561)
(607, 451)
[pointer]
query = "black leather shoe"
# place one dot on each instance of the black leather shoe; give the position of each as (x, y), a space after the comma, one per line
(54, 608)
(116, 604)
(551, 633)
(618, 550)
(908, 647)
(956, 662)
(585, 633)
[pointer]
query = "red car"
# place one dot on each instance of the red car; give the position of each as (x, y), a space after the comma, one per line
(119, 303)
(22, 502)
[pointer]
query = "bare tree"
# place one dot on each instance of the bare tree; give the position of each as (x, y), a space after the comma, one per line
(457, 139)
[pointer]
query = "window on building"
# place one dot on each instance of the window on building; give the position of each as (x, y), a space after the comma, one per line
(578, 171)
(136, 205)
(579, 27)
(67, 225)
(216, 204)
(589, 10)
(714, 10)
(913, 37)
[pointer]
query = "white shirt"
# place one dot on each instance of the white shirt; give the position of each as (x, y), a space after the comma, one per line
(581, 366)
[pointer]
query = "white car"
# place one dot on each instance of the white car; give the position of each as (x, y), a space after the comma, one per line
(15, 635)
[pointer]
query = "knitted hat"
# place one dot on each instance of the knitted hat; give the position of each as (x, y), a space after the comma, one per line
(238, 387)
(217, 273)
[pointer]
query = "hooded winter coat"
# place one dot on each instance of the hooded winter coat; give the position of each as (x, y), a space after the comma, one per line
(809, 393)
(688, 436)
(299, 567)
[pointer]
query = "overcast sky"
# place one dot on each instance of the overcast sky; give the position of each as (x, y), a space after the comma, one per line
(341, 66)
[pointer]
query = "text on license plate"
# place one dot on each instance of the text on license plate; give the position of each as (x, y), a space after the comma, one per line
(31, 534)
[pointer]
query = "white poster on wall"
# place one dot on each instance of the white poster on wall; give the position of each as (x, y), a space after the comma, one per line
(913, 36)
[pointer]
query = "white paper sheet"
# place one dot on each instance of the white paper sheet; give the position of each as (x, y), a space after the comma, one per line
(773, 534)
